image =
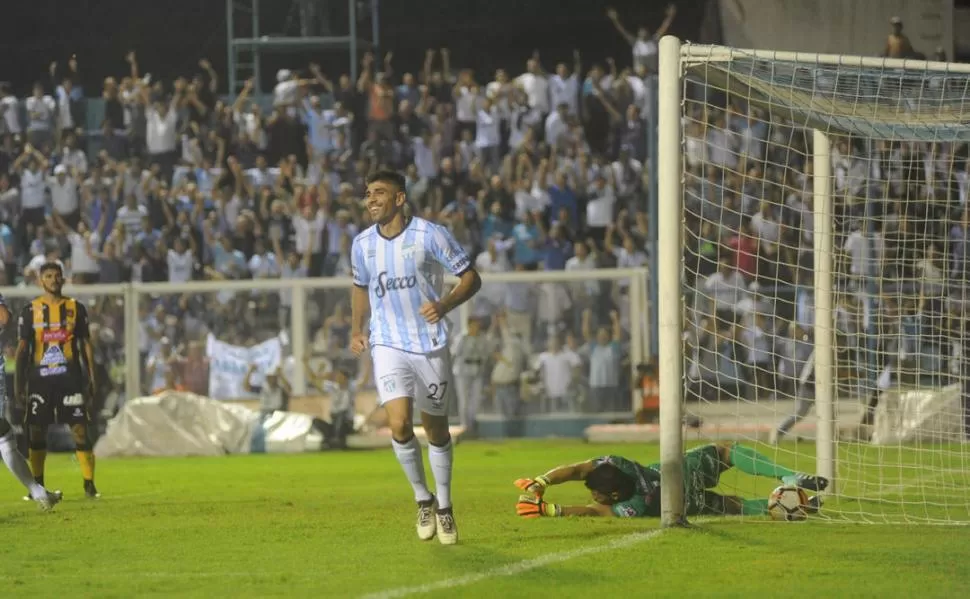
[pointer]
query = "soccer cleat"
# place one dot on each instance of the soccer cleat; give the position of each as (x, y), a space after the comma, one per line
(809, 482)
(426, 521)
(813, 506)
(446, 528)
(49, 500)
(90, 491)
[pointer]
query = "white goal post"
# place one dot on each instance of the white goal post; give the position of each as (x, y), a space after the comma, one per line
(848, 120)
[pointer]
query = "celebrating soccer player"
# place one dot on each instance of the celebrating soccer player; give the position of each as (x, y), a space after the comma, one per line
(398, 270)
(8, 445)
(55, 365)
(624, 488)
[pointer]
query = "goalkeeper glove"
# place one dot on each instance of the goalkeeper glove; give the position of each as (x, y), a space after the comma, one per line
(536, 486)
(534, 507)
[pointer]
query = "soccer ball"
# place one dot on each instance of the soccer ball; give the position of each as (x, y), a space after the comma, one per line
(787, 504)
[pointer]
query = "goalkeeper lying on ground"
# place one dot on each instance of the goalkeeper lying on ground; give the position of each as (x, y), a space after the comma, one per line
(624, 488)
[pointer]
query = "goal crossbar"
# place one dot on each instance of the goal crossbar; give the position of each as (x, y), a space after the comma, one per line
(872, 97)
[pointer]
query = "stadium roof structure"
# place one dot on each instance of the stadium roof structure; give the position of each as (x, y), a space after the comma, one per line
(246, 43)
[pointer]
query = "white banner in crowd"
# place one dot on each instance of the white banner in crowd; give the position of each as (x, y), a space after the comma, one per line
(228, 365)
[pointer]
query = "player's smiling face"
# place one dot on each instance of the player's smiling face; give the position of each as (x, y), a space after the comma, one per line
(383, 201)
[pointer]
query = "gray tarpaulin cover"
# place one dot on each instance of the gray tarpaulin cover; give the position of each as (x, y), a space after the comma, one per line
(919, 415)
(184, 424)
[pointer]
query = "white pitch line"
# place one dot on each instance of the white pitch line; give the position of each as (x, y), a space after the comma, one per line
(517, 567)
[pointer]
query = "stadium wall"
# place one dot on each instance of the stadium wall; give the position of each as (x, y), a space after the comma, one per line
(857, 27)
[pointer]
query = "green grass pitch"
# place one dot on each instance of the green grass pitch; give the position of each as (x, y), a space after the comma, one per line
(342, 525)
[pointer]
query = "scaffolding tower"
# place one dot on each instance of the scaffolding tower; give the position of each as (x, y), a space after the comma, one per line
(246, 42)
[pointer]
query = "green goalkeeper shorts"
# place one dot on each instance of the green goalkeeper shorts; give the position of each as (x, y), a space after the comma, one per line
(702, 471)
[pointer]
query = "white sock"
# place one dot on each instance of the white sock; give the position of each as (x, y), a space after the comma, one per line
(18, 465)
(441, 459)
(409, 456)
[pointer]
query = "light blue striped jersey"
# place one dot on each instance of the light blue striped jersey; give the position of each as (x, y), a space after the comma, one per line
(400, 275)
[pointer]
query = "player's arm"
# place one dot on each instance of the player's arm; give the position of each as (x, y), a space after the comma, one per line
(556, 476)
(25, 337)
(82, 332)
(593, 509)
(359, 297)
(469, 282)
(449, 253)
(530, 506)
(359, 310)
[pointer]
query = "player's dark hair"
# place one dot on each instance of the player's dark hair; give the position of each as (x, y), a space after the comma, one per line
(388, 176)
(609, 480)
(51, 266)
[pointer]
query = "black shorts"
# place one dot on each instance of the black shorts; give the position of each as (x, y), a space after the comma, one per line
(57, 399)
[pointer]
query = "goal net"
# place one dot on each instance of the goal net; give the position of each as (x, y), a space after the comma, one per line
(822, 265)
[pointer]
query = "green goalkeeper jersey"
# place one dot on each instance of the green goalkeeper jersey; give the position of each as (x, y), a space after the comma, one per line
(646, 498)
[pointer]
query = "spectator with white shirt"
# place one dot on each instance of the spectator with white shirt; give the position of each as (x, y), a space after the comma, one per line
(564, 86)
(64, 195)
(558, 369)
(645, 46)
(488, 138)
(10, 124)
(600, 207)
(557, 125)
(161, 135)
(308, 228)
(181, 261)
(466, 96)
(31, 165)
(535, 83)
(41, 109)
(70, 105)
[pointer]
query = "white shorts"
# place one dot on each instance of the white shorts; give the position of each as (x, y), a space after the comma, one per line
(426, 378)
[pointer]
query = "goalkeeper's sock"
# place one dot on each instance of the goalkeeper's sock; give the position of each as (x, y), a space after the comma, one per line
(749, 461)
(409, 456)
(441, 458)
(18, 465)
(754, 507)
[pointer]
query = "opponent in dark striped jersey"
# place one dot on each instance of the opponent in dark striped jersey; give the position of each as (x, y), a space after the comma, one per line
(8, 444)
(55, 372)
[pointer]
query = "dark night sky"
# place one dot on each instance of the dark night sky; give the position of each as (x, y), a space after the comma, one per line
(171, 35)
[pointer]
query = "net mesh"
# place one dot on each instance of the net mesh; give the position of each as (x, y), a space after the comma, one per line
(900, 257)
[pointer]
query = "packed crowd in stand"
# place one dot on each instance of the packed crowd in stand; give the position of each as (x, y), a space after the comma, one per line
(537, 171)
(901, 225)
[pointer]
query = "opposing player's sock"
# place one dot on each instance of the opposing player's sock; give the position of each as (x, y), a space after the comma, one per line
(409, 456)
(754, 507)
(749, 461)
(37, 457)
(86, 460)
(18, 466)
(441, 458)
